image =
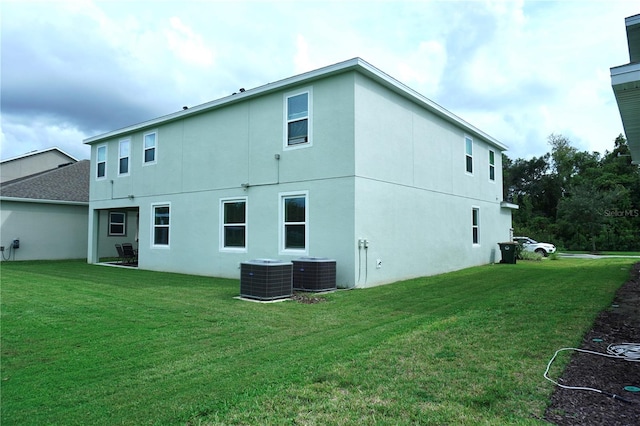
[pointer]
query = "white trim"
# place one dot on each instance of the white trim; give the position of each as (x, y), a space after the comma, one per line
(155, 147)
(469, 173)
(124, 223)
(36, 152)
(128, 156)
(281, 225)
(492, 166)
(44, 201)
(285, 121)
(473, 209)
(355, 64)
(106, 161)
(153, 225)
(221, 245)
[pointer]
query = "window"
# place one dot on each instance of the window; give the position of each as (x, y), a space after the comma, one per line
(475, 224)
(234, 224)
(294, 222)
(101, 162)
(123, 157)
(160, 222)
(468, 149)
(492, 165)
(298, 119)
(149, 148)
(117, 223)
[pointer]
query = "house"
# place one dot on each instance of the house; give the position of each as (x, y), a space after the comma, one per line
(47, 212)
(33, 162)
(625, 81)
(343, 162)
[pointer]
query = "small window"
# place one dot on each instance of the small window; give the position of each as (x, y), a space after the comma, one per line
(117, 223)
(149, 148)
(123, 157)
(294, 222)
(468, 142)
(101, 162)
(475, 225)
(234, 224)
(160, 220)
(492, 165)
(298, 119)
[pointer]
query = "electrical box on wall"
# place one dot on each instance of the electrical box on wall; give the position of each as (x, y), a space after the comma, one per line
(16, 243)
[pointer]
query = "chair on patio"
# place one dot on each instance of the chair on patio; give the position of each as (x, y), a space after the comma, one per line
(121, 256)
(129, 253)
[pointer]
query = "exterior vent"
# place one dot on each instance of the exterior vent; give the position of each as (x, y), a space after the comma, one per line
(314, 274)
(266, 279)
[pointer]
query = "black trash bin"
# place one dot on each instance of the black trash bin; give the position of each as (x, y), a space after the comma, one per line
(508, 251)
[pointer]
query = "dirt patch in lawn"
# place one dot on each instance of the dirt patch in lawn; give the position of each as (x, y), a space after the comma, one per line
(618, 324)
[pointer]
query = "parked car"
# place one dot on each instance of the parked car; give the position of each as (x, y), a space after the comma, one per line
(529, 244)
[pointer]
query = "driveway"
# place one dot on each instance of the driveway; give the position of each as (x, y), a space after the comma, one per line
(595, 256)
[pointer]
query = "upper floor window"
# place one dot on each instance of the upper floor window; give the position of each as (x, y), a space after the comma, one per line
(294, 216)
(475, 225)
(468, 151)
(234, 224)
(101, 162)
(117, 223)
(161, 222)
(492, 165)
(298, 119)
(149, 147)
(123, 157)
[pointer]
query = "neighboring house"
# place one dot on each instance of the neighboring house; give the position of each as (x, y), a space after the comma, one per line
(33, 162)
(625, 81)
(343, 162)
(47, 212)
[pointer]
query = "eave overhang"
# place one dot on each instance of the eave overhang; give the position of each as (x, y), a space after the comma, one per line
(355, 64)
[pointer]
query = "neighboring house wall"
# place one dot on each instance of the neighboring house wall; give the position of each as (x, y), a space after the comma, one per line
(46, 230)
(379, 167)
(32, 163)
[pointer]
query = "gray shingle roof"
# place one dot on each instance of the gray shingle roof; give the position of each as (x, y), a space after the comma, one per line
(68, 183)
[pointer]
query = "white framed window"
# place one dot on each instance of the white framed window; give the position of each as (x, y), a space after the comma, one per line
(468, 154)
(492, 165)
(475, 225)
(150, 148)
(101, 162)
(123, 157)
(160, 224)
(298, 119)
(294, 219)
(117, 224)
(233, 224)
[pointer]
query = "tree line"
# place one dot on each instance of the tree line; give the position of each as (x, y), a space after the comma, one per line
(577, 200)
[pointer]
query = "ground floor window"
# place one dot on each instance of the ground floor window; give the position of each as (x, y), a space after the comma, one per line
(117, 223)
(161, 224)
(234, 224)
(294, 216)
(475, 224)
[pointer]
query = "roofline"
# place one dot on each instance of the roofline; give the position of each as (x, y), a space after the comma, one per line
(39, 151)
(355, 64)
(632, 20)
(44, 201)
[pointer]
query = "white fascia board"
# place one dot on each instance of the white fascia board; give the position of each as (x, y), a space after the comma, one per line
(356, 64)
(632, 20)
(43, 201)
(625, 74)
(508, 205)
(40, 151)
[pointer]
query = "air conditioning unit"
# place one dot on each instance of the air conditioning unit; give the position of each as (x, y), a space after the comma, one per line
(266, 279)
(314, 274)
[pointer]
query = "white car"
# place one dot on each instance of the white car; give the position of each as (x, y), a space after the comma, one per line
(528, 244)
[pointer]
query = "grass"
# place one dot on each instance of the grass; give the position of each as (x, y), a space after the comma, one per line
(85, 344)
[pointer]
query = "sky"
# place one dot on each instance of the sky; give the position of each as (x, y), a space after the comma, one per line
(517, 70)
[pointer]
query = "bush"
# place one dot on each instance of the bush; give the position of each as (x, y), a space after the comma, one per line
(529, 255)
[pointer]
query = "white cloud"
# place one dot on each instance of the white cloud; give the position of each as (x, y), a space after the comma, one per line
(187, 45)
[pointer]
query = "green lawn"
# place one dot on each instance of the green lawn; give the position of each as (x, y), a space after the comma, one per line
(85, 344)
